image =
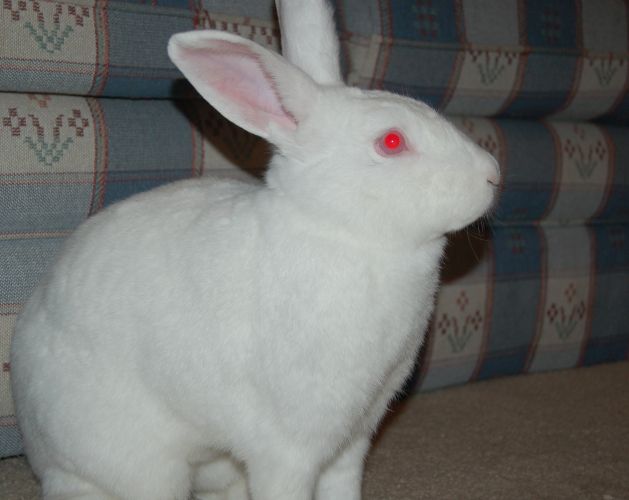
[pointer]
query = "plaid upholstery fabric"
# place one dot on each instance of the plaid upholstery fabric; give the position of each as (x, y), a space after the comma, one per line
(528, 59)
(565, 59)
(64, 158)
(112, 48)
(531, 298)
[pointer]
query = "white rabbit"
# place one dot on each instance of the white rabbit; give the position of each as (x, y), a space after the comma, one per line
(211, 331)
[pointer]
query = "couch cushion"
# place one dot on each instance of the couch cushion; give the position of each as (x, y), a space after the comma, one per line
(494, 57)
(115, 48)
(63, 158)
(485, 58)
(528, 298)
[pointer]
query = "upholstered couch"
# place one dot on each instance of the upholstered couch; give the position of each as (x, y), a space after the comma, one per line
(91, 111)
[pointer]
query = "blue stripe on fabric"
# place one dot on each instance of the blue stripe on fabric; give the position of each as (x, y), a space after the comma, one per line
(529, 171)
(502, 364)
(421, 73)
(24, 263)
(425, 20)
(117, 190)
(609, 337)
(539, 94)
(53, 205)
(606, 350)
(136, 36)
(10, 442)
(551, 23)
(154, 136)
(517, 252)
(517, 288)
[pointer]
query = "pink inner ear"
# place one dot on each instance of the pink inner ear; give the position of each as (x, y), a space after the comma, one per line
(236, 73)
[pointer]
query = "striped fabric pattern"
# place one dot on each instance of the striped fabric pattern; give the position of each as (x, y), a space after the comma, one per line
(565, 59)
(65, 157)
(113, 48)
(530, 298)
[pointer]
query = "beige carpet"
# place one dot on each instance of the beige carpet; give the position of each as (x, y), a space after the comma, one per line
(551, 436)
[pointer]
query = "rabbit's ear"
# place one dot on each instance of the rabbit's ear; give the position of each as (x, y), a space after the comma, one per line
(251, 86)
(309, 38)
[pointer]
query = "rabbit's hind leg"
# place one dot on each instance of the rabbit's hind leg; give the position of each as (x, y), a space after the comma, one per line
(220, 479)
(237, 491)
(60, 485)
(163, 480)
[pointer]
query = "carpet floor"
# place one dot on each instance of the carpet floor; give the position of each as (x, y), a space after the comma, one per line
(555, 436)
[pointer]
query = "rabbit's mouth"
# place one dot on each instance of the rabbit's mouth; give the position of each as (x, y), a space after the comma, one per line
(494, 177)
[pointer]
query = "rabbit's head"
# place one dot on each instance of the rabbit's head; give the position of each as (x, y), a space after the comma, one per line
(383, 166)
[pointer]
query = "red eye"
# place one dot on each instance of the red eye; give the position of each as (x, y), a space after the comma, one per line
(391, 143)
(392, 140)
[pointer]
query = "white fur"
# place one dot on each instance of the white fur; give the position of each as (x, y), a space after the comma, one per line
(212, 332)
(309, 38)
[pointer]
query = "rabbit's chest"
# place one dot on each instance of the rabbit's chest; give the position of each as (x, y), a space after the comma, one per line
(343, 291)
(335, 340)
(340, 314)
